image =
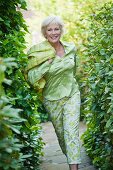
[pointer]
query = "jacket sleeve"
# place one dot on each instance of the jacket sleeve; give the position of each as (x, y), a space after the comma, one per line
(35, 75)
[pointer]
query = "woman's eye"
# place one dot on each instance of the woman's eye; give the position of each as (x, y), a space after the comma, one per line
(49, 30)
(57, 29)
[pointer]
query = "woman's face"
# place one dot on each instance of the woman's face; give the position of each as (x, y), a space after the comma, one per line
(53, 33)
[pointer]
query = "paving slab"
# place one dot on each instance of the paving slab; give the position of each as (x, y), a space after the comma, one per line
(53, 158)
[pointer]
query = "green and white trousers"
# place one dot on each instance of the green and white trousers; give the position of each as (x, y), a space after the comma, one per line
(65, 114)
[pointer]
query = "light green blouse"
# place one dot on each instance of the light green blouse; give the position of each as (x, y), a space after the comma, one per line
(58, 75)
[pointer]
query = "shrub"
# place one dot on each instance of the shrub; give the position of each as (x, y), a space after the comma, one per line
(98, 139)
(12, 44)
(11, 156)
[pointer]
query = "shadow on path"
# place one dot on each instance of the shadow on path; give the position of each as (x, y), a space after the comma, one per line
(54, 159)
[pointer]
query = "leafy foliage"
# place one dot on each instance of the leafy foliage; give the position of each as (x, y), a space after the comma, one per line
(11, 156)
(98, 138)
(12, 44)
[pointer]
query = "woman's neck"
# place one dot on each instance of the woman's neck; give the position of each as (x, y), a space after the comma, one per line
(59, 49)
(56, 45)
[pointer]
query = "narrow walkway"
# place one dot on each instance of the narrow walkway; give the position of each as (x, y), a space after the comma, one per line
(54, 158)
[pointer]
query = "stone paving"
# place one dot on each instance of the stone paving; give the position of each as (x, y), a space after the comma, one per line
(54, 159)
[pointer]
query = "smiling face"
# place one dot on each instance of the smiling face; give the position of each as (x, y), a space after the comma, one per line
(53, 33)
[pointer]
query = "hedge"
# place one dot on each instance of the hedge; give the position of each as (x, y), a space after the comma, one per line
(98, 139)
(26, 143)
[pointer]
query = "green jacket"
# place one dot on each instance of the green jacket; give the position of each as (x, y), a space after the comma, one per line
(37, 55)
(57, 78)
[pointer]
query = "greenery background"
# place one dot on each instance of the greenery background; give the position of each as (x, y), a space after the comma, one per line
(76, 15)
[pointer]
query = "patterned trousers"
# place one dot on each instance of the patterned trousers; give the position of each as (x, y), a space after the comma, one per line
(64, 114)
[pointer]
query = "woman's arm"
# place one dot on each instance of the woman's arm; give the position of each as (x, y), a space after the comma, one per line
(35, 75)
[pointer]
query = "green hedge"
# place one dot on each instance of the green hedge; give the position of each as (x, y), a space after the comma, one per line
(98, 139)
(21, 95)
(11, 156)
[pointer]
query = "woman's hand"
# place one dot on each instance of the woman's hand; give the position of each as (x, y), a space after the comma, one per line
(50, 60)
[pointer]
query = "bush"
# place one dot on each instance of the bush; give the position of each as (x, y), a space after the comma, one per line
(11, 156)
(98, 139)
(12, 44)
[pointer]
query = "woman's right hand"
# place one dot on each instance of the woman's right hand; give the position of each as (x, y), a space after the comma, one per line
(50, 60)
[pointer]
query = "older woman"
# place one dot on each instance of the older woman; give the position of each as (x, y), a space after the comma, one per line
(51, 67)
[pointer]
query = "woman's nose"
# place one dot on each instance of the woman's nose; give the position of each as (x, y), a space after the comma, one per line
(53, 31)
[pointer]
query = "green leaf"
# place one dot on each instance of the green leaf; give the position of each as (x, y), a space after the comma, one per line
(109, 122)
(1, 19)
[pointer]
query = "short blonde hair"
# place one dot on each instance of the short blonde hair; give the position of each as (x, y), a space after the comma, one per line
(53, 20)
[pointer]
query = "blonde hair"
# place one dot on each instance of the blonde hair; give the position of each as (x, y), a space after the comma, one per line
(51, 20)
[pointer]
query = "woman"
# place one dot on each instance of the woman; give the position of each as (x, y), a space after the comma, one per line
(51, 67)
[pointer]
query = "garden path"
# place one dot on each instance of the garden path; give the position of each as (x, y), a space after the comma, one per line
(54, 158)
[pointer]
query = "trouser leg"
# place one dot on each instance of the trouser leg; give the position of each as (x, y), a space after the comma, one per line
(65, 115)
(55, 109)
(71, 114)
